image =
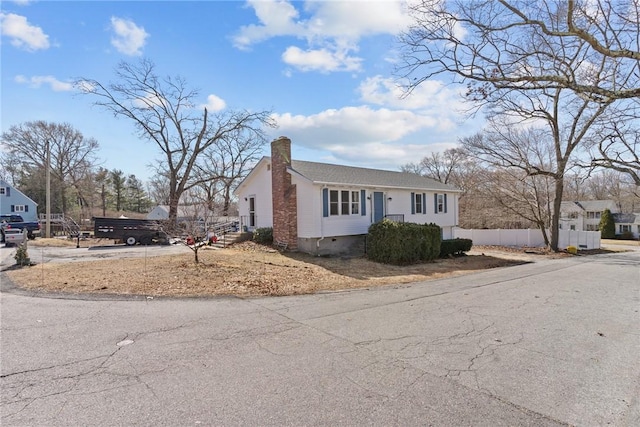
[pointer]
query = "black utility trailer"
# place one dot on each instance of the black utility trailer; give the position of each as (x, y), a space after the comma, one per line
(130, 231)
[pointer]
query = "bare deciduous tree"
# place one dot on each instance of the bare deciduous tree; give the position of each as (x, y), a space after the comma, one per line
(618, 148)
(72, 155)
(561, 67)
(440, 166)
(164, 112)
(227, 163)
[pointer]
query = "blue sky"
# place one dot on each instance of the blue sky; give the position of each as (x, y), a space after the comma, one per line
(324, 68)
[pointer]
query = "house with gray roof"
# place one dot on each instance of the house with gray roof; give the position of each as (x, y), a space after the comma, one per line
(627, 223)
(15, 202)
(584, 215)
(323, 208)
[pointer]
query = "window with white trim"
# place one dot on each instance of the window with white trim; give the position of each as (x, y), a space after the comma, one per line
(3, 191)
(334, 202)
(18, 208)
(344, 202)
(355, 202)
(419, 203)
(625, 228)
(440, 202)
(593, 215)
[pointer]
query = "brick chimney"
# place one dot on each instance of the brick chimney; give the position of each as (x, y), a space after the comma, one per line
(283, 194)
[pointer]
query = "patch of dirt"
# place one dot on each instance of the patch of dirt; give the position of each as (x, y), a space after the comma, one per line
(246, 269)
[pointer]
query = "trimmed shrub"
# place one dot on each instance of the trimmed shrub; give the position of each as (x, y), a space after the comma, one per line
(607, 225)
(22, 256)
(263, 235)
(397, 243)
(455, 247)
(625, 235)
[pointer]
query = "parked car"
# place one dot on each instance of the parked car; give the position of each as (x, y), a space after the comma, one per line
(16, 222)
(13, 236)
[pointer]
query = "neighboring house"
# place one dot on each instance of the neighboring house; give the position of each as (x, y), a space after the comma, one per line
(188, 213)
(584, 215)
(14, 201)
(185, 213)
(627, 223)
(323, 208)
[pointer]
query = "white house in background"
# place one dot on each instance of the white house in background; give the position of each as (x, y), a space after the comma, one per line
(14, 201)
(185, 213)
(584, 215)
(323, 208)
(627, 223)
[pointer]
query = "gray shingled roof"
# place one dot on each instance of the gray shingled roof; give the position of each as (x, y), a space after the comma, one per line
(588, 205)
(325, 173)
(625, 218)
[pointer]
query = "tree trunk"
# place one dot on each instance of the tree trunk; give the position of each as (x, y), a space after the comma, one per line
(227, 200)
(555, 215)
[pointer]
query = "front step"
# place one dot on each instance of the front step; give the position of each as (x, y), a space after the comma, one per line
(230, 238)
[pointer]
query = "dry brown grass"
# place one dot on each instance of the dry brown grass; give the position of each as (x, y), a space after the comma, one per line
(243, 270)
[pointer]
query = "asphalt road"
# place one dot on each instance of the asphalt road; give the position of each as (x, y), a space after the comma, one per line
(551, 343)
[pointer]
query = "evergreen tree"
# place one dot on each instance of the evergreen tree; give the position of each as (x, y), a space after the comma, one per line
(607, 226)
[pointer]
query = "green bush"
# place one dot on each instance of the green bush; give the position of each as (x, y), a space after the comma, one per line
(22, 256)
(455, 247)
(607, 225)
(625, 235)
(263, 235)
(397, 243)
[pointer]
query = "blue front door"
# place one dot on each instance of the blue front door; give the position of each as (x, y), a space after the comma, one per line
(378, 206)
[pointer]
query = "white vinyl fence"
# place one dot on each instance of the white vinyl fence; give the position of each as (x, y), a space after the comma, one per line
(531, 238)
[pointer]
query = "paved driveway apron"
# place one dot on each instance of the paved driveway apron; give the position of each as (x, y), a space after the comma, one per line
(551, 343)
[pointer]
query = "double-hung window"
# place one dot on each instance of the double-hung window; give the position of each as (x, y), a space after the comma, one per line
(344, 202)
(334, 202)
(355, 202)
(419, 203)
(440, 207)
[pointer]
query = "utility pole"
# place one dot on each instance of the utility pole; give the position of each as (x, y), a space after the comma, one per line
(47, 230)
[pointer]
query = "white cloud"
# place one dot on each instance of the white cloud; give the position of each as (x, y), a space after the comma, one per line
(433, 98)
(22, 34)
(129, 38)
(37, 81)
(366, 137)
(331, 29)
(277, 18)
(356, 124)
(321, 60)
(151, 100)
(214, 103)
(385, 155)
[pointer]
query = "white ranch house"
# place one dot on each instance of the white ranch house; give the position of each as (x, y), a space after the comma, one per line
(323, 208)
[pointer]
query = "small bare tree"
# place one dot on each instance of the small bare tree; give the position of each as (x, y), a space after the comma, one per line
(193, 223)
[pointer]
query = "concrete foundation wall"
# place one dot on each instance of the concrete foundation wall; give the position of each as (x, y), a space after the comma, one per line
(338, 245)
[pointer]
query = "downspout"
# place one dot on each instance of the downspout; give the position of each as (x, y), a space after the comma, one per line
(321, 225)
